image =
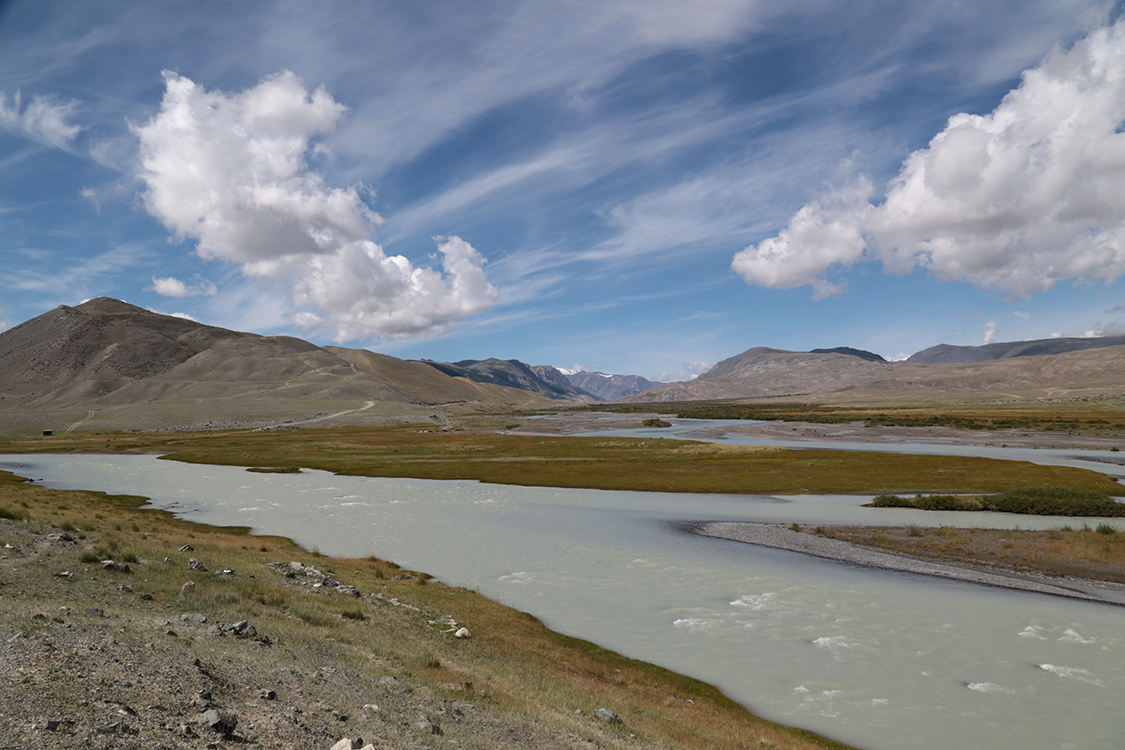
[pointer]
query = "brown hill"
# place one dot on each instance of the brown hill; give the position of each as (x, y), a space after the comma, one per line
(122, 367)
(771, 373)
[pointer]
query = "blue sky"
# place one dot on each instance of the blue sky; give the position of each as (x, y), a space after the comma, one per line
(640, 186)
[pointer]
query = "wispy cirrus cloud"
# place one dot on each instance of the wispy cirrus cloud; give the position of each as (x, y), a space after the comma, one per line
(44, 119)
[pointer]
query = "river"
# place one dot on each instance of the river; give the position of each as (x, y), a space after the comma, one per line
(878, 659)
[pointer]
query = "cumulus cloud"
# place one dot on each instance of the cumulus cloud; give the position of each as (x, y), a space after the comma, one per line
(231, 172)
(169, 286)
(1016, 200)
(990, 330)
(45, 119)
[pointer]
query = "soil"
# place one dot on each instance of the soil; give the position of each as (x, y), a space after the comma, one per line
(90, 662)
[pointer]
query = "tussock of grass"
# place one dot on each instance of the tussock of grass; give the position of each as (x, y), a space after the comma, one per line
(1036, 501)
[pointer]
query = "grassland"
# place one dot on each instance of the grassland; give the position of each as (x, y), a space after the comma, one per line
(596, 463)
(1103, 417)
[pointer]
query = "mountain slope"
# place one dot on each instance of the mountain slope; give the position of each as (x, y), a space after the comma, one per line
(771, 373)
(513, 374)
(947, 353)
(609, 387)
(128, 368)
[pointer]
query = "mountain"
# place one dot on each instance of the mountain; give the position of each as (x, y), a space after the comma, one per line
(607, 387)
(862, 354)
(513, 374)
(123, 367)
(946, 353)
(760, 373)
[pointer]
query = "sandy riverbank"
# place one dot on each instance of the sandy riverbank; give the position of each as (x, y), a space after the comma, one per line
(780, 537)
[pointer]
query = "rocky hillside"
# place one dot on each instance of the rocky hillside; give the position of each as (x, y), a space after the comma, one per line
(606, 387)
(544, 380)
(122, 367)
(772, 373)
(947, 353)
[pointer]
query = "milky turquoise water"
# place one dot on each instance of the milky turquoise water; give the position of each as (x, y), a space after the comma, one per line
(874, 658)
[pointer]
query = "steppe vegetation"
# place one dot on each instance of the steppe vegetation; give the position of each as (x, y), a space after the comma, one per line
(1037, 501)
(1075, 415)
(102, 655)
(661, 465)
(1097, 553)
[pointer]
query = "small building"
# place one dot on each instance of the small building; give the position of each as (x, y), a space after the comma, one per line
(48, 433)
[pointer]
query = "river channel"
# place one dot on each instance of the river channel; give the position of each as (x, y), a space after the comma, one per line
(878, 659)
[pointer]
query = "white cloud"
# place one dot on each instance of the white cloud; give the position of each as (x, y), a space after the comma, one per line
(169, 286)
(823, 234)
(990, 330)
(231, 171)
(91, 195)
(1016, 200)
(45, 119)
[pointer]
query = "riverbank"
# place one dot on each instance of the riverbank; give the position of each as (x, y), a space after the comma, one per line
(124, 627)
(823, 545)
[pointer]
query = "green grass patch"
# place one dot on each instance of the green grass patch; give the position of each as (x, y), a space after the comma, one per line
(1036, 501)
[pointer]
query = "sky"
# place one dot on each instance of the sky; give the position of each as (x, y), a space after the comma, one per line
(630, 186)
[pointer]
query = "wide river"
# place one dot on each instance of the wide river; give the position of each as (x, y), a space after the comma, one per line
(878, 659)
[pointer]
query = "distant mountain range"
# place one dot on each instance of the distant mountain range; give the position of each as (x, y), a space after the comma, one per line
(109, 365)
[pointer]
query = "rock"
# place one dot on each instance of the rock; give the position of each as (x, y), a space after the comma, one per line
(198, 617)
(126, 588)
(348, 590)
(119, 567)
(220, 721)
(64, 574)
(194, 564)
(329, 581)
(463, 633)
(466, 686)
(393, 684)
(296, 566)
(346, 744)
(187, 587)
(425, 726)
(145, 597)
(62, 537)
(244, 629)
(95, 612)
(54, 725)
(268, 695)
(371, 708)
(609, 716)
(169, 561)
(187, 548)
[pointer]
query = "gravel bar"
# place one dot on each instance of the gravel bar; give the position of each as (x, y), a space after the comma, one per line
(782, 537)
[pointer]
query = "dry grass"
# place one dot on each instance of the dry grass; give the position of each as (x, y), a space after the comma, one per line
(1097, 553)
(652, 465)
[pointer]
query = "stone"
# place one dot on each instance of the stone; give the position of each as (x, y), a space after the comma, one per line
(244, 629)
(187, 548)
(220, 721)
(463, 633)
(348, 590)
(95, 612)
(346, 744)
(115, 566)
(63, 537)
(268, 695)
(393, 684)
(425, 726)
(64, 574)
(197, 617)
(187, 587)
(608, 716)
(194, 564)
(169, 561)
